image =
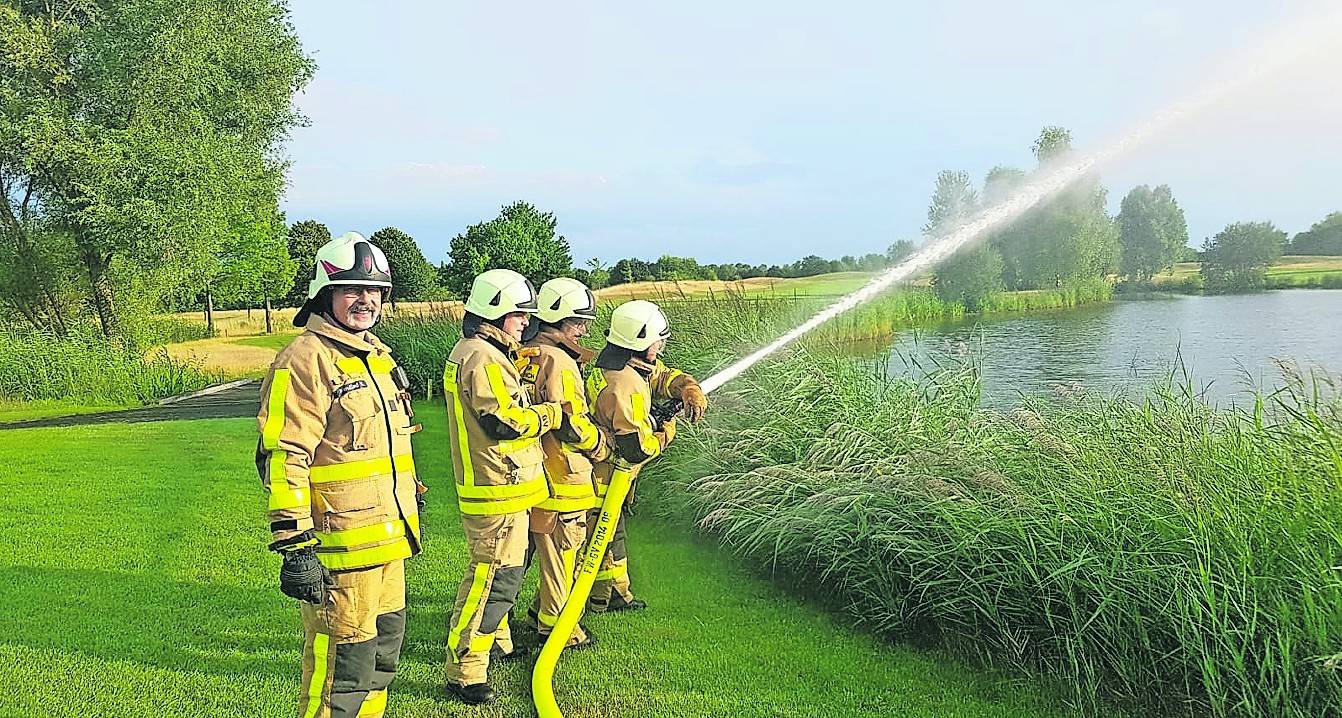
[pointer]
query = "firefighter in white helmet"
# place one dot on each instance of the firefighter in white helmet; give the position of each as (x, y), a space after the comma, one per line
(343, 500)
(624, 387)
(495, 431)
(553, 372)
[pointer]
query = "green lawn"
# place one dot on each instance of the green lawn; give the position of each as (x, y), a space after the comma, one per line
(267, 341)
(135, 582)
(12, 411)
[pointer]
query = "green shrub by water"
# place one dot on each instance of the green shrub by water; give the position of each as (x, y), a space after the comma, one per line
(1091, 291)
(1159, 552)
(86, 368)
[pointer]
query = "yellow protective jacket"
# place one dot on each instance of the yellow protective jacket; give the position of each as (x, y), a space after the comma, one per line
(622, 401)
(493, 426)
(553, 374)
(334, 455)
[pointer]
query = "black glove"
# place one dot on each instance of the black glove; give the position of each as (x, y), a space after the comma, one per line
(304, 577)
(566, 431)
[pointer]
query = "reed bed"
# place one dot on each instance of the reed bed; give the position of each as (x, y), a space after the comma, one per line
(1158, 553)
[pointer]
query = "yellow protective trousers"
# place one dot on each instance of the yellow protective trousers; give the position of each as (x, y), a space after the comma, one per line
(556, 540)
(353, 643)
(498, 547)
(613, 578)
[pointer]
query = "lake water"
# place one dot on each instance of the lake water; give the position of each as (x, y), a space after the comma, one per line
(1225, 342)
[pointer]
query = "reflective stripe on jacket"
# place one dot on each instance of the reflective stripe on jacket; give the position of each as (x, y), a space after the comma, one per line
(552, 374)
(622, 406)
(482, 384)
(334, 455)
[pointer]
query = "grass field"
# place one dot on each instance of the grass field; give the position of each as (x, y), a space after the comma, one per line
(1284, 265)
(133, 585)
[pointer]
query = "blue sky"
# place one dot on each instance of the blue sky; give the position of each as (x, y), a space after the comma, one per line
(764, 131)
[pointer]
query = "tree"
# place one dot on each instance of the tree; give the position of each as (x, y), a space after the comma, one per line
(253, 265)
(1000, 183)
(412, 276)
(143, 131)
(668, 268)
(38, 270)
(811, 265)
(871, 262)
(1068, 237)
(627, 271)
(305, 238)
(1151, 231)
(1237, 258)
(969, 276)
(598, 275)
(954, 202)
(1324, 237)
(899, 251)
(521, 238)
(1053, 143)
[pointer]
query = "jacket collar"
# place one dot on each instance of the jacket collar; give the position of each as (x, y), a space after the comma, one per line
(361, 342)
(642, 366)
(556, 338)
(497, 337)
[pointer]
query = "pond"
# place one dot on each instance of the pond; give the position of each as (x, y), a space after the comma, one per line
(1227, 344)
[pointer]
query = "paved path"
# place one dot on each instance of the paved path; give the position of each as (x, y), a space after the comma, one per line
(235, 399)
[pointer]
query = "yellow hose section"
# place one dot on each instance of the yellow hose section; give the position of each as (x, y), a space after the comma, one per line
(542, 677)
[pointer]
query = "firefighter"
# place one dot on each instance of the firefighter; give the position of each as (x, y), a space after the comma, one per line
(623, 388)
(335, 461)
(554, 373)
(494, 435)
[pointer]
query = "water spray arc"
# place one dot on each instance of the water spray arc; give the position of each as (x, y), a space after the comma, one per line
(1283, 47)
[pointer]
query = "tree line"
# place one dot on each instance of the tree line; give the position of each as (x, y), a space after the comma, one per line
(1070, 237)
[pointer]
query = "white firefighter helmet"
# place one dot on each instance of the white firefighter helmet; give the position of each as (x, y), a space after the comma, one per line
(347, 259)
(637, 325)
(500, 291)
(564, 298)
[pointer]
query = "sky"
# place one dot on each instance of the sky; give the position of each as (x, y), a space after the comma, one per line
(766, 131)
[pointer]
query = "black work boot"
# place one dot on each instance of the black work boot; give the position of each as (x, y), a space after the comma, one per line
(476, 694)
(590, 641)
(617, 604)
(520, 651)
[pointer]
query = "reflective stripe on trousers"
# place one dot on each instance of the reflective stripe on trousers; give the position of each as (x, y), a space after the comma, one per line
(497, 545)
(353, 644)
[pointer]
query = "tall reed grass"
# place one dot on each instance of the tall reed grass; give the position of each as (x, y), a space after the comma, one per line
(1158, 552)
(85, 368)
(1090, 291)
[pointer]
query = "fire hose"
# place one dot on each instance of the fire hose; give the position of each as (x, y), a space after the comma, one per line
(542, 676)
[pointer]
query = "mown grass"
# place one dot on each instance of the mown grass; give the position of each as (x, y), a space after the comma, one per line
(1289, 272)
(1155, 552)
(13, 411)
(133, 587)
